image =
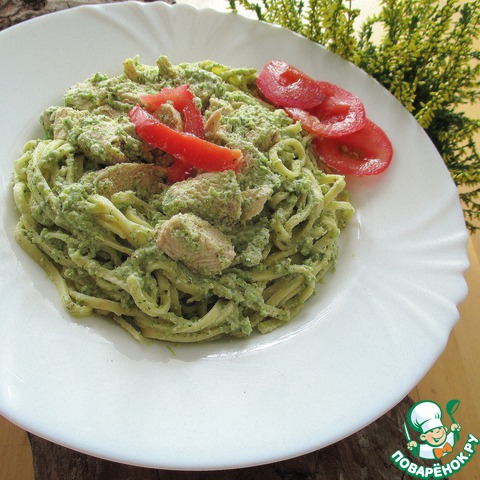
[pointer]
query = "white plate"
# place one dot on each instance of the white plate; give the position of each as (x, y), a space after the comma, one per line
(366, 338)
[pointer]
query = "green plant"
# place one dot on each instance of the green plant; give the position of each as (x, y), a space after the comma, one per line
(422, 51)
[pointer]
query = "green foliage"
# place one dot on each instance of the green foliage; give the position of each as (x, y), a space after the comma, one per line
(422, 51)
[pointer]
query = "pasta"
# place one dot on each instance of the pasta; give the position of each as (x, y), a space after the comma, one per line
(220, 253)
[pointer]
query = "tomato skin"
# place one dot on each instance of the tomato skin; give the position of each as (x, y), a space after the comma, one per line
(183, 100)
(286, 86)
(339, 113)
(345, 139)
(323, 108)
(365, 152)
(188, 148)
(179, 170)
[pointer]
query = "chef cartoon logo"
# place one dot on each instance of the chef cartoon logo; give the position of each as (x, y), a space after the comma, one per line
(435, 440)
(432, 436)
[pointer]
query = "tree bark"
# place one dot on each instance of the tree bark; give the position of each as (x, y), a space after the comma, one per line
(17, 11)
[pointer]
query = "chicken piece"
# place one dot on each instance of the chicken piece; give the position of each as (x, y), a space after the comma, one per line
(213, 196)
(143, 178)
(168, 115)
(254, 200)
(212, 125)
(62, 119)
(200, 246)
(107, 140)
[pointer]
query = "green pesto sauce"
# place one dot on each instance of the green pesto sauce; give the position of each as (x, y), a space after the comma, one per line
(107, 219)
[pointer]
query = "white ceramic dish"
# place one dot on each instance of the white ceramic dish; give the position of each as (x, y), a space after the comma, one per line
(366, 338)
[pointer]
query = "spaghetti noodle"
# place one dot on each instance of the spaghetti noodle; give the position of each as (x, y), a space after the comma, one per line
(219, 253)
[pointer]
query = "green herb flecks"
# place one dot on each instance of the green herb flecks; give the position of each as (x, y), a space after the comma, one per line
(422, 51)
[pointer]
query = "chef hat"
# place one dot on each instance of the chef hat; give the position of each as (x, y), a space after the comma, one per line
(425, 416)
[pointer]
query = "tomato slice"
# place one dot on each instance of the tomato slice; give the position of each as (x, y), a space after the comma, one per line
(345, 139)
(365, 152)
(286, 86)
(323, 108)
(340, 113)
(184, 101)
(187, 147)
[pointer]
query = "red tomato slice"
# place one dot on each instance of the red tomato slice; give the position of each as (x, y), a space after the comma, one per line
(189, 148)
(286, 86)
(340, 113)
(365, 152)
(183, 101)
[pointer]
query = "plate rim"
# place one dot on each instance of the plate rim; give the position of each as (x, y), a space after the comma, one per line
(16, 416)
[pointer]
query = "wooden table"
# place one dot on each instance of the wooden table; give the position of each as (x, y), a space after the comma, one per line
(364, 455)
